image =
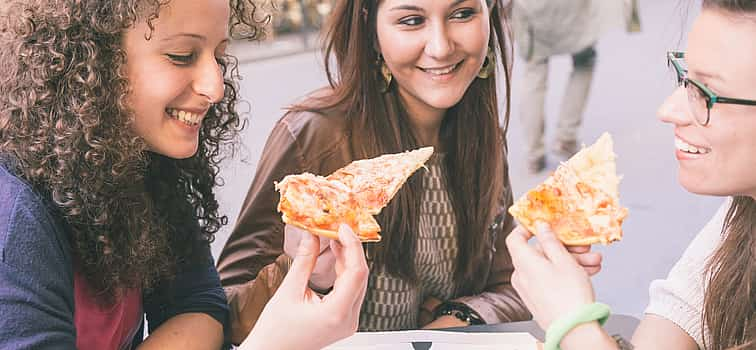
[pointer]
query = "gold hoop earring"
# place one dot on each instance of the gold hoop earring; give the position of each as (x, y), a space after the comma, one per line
(386, 74)
(488, 65)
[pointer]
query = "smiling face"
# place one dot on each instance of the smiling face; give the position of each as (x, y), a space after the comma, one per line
(720, 158)
(434, 49)
(175, 75)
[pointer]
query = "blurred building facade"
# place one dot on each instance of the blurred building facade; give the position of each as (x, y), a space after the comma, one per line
(295, 17)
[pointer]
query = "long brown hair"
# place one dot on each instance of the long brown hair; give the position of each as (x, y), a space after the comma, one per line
(65, 128)
(730, 298)
(377, 123)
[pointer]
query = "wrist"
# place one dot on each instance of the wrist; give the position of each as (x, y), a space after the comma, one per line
(594, 313)
(588, 336)
(460, 311)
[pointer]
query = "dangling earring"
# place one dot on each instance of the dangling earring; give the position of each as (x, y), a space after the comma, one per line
(488, 65)
(386, 73)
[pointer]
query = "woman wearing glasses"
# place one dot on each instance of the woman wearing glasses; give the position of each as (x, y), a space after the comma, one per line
(708, 300)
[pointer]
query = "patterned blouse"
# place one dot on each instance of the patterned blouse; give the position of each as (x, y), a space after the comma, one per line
(392, 303)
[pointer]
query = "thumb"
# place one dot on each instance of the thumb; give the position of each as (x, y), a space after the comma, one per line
(552, 247)
(296, 281)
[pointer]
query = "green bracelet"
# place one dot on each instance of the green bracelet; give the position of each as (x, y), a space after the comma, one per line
(586, 313)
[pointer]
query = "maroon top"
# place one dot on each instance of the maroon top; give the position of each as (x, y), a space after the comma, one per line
(105, 327)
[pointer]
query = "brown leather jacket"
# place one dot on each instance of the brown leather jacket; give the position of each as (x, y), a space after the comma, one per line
(251, 265)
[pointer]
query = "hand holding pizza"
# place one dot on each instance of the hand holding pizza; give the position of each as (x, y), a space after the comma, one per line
(324, 273)
(549, 280)
(296, 317)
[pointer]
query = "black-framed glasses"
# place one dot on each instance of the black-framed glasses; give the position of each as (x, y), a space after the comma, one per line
(700, 97)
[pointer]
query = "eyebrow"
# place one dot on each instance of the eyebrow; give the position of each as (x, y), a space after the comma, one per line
(417, 8)
(193, 35)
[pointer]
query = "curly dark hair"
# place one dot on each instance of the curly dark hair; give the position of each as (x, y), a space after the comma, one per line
(65, 125)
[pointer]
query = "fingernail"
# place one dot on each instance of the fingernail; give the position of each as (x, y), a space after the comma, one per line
(542, 226)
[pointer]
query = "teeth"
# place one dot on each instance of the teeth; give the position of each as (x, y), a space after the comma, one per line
(188, 118)
(686, 147)
(441, 71)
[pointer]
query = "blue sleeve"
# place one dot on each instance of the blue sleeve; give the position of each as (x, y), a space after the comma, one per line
(36, 274)
(196, 288)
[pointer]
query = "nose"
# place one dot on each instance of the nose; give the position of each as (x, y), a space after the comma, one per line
(208, 80)
(439, 44)
(676, 109)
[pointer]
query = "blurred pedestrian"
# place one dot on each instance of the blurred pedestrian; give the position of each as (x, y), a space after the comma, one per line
(547, 28)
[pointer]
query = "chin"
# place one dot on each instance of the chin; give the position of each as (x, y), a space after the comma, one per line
(179, 153)
(444, 102)
(705, 188)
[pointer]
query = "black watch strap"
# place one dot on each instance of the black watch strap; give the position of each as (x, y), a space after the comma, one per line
(460, 311)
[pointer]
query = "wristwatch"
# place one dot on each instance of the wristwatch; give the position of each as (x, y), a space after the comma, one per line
(460, 311)
(622, 344)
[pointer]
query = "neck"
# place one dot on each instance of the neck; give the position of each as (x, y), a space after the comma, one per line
(427, 132)
(425, 122)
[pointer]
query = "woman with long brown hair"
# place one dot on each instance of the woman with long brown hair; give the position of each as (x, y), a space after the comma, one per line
(708, 300)
(403, 74)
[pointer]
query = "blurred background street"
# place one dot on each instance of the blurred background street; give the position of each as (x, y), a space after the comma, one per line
(631, 81)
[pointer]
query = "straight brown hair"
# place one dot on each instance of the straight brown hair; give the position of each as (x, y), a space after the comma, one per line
(377, 123)
(730, 298)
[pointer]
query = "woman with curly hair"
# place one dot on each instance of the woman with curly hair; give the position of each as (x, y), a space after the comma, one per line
(114, 116)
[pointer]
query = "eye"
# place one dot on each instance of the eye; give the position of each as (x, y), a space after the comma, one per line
(181, 59)
(463, 14)
(412, 21)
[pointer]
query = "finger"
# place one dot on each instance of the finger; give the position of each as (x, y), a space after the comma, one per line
(296, 280)
(591, 271)
(338, 251)
(591, 262)
(324, 244)
(363, 289)
(578, 249)
(519, 250)
(538, 248)
(292, 236)
(552, 247)
(352, 271)
(519, 285)
(324, 274)
(589, 259)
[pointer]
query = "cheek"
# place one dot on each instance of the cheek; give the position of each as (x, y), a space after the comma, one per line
(400, 51)
(739, 161)
(728, 170)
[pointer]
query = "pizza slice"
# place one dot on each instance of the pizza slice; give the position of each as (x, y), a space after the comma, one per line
(351, 195)
(580, 201)
(375, 181)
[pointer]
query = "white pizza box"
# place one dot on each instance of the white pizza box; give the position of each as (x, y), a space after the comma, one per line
(436, 340)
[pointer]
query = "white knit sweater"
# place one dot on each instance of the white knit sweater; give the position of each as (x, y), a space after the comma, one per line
(680, 297)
